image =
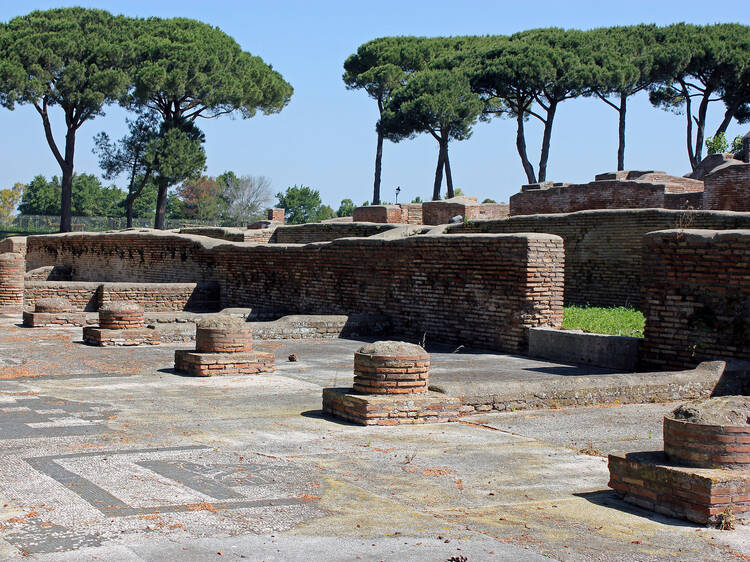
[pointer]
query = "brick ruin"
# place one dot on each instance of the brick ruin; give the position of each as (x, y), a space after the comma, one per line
(722, 187)
(678, 248)
(702, 473)
(431, 212)
(482, 290)
(223, 346)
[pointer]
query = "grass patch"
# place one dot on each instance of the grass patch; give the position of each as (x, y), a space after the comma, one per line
(617, 321)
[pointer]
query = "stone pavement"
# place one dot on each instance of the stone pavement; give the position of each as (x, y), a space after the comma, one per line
(107, 453)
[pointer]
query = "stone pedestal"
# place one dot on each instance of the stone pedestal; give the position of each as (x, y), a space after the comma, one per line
(120, 323)
(223, 346)
(702, 475)
(54, 311)
(390, 388)
(121, 316)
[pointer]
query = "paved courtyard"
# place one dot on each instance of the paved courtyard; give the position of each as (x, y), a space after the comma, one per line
(108, 454)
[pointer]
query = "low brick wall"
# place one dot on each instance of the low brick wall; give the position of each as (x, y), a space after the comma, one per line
(82, 295)
(153, 297)
(478, 290)
(616, 190)
(574, 346)
(649, 481)
(603, 248)
(383, 214)
(163, 297)
(325, 232)
(696, 296)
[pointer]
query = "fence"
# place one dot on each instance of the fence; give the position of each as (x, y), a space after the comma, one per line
(43, 223)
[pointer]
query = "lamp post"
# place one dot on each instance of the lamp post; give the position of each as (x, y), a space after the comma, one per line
(398, 190)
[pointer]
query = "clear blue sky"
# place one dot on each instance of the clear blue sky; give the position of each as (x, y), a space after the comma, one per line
(325, 138)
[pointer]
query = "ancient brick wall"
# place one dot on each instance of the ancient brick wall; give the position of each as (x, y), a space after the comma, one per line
(82, 295)
(390, 214)
(681, 201)
(163, 297)
(411, 213)
(493, 211)
(324, 232)
(728, 188)
(603, 248)
(441, 212)
(696, 296)
(13, 244)
(482, 291)
(606, 194)
(153, 297)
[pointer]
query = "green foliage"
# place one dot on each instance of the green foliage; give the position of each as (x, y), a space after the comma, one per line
(488, 200)
(187, 69)
(717, 144)
(417, 199)
(74, 58)
(617, 321)
(737, 144)
(90, 197)
(302, 205)
(9, 199)
(346, 208)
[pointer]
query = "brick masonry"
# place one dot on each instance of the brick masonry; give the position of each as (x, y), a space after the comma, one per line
(215, 364)
(94, 335)
(477, 290)
(617, 190)
(379, 409)
(701, 495)
(41, 319)
(431, 212)
(696, 296)
(153, 297)
(728, 188)
(603, 248)
(707, 446)
(12, 269)
(325, 232)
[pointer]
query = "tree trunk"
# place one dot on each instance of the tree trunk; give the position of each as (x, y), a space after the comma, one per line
(161, 206)
(448, 175)
(546, 140)
(378, 163)
(66, 199)
(129, 210)
(700, 133)
(439, 172)
(521, 147)
(689, 117)
(621, 132)
(728, 116)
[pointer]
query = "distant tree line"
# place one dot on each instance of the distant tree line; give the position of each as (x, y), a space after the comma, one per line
(169, 72)
(227, 199)
(443, 86)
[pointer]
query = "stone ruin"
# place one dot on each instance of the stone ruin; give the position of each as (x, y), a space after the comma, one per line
(390, 388)
(702, 473)
(54, 311)
(486, 282)
(120, 323)
(223, 346)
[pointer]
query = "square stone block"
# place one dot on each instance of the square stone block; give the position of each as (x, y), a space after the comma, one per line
(701, 495)
(390, 409)
(93, 335)
(210, 364)
(40, 319)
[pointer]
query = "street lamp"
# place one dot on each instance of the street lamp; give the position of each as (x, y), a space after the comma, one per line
(398, 190)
